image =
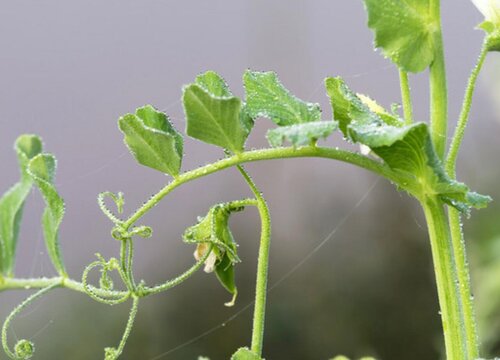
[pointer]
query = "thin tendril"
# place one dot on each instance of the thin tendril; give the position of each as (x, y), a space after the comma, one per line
(179, 279)
(90, 291)
(112, 353)
(24, 349)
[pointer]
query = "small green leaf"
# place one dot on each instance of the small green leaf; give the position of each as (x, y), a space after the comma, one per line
(153, 140)
(12, 202)
(407, 150)
(214, 84)
(492, 35)
(301, 134)
(42, 170)
(245, 354)
(214, 229)
(267, 97)
(405, 31)
(214, 115)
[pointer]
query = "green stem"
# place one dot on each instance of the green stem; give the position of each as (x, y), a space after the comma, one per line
(447, 279)
(406, 97)
(38, 283)
(460, 254)
(130, 263)
(456, 141)
(438, 87)
(259, 314)
(259, 155)
(130, 323)
(179, 279)
(459, 248)
(16, 311)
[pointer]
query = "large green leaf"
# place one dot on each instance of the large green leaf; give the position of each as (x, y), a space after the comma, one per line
(301, 134)
(42, 169)
(245, 354)
(153, 140)
(213, 229)
(404, 30)
(12, 202)
(407, 150)
(267, 97)
(214, 115)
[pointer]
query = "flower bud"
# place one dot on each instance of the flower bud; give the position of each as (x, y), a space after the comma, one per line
(490, 9)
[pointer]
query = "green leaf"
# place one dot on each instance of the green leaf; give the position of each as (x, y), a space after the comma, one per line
(214, 115)
(153, 140)
(492, 35)
(245, 354)
(301, 134)
(214, 229)
(404, 30)
(267, 97)
(12, 202)
(42, 170)
(214, 84)
(407, 150)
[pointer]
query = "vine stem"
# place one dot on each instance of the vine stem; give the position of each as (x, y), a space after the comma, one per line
(458, 136)
(438, 87)
(259, 314)
(259, 155)
(128, 328)
(16, 311)
(406, 97)
(446, 278)
(458, 241)
(460, 254)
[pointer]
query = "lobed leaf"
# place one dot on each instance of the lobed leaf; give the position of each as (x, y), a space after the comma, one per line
(12, 202)
(214, 115)
(245, 354)
(408, 150)
(214, 229)
(301, 134)
(42, 170)
(404, 30)
(153, 140)
(267, 97)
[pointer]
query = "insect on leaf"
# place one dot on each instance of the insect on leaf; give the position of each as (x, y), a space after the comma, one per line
(42, 169)
(153, 140)
(12, 202)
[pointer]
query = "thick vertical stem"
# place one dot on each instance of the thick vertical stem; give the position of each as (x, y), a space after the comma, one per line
(259, 314)
(460, 254)
(446, 280)
(438, 88)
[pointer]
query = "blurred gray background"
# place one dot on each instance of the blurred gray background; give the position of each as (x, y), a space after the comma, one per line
(68, 70)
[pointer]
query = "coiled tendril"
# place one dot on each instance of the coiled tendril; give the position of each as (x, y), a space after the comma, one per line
(105, 282)
(24, 349)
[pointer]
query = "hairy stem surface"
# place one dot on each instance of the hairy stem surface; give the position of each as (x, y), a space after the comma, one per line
(259, 314)
(438, 87)
(406, 97)
(446, 279)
